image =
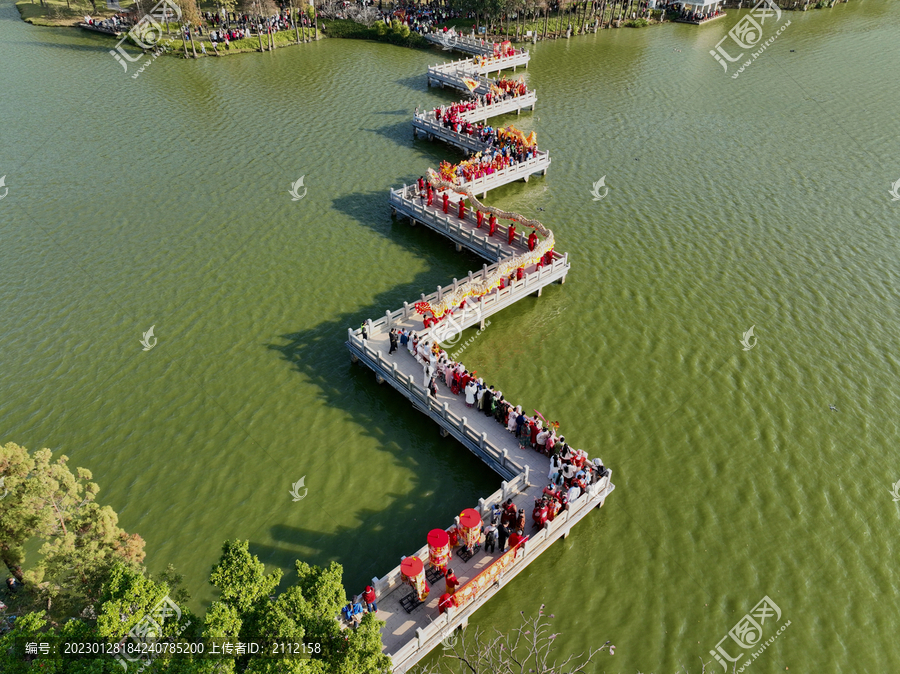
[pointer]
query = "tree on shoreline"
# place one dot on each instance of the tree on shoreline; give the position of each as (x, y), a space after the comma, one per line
(89, 584)
(81, 540)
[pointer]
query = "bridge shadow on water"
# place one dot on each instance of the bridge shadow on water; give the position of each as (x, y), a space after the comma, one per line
(445, 477)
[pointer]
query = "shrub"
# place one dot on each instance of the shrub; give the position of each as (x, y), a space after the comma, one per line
(637, 23)
(404, 31)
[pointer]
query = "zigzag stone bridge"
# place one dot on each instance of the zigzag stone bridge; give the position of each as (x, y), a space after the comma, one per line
(412, 631)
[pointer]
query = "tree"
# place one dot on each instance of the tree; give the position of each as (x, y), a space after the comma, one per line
(19, 510)
(80, 539)
(247, 610)
(92, 571)
(190, 17)
(528, 648)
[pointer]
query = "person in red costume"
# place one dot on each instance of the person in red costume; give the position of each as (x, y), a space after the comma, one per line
(462, 209)
(520, 273)
(452, 581)
(532, 241)
(502, 283)
(548, 258)
(512, 233)
(480, 218)
(446, 202)
(430, 193)
(445, 603)
(493, 223)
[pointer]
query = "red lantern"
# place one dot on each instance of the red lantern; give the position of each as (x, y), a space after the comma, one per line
(470, 527)
(439, 549)
(412, 572)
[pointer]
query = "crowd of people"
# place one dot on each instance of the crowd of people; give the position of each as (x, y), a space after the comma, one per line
(360, 605)
(500, 137)
(570, 470)
(689, 15)
(484, 163)
(115, 23)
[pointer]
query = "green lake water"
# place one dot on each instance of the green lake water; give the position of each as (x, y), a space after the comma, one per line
(759, 201)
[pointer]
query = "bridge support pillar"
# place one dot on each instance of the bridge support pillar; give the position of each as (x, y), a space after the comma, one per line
(444, 432)
(379, 379)
(481, 327)
(526, 178)
(459, 248)
(354, 358)
(538, 293)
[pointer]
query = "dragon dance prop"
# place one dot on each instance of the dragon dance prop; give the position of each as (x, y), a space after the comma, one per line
(437, 182)
(506, 267)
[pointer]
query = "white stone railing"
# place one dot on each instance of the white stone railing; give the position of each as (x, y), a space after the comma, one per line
(404, 201)
(425, 637)
(455, 425)
(391, 580)
(455, 138)
(488, 304)
(484, 112)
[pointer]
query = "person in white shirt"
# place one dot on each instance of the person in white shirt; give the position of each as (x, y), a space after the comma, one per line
(542, 440)
(554, 470)
(470, 390)
(511, 424)
(573, 493)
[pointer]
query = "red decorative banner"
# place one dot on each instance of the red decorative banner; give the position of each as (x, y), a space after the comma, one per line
(486, 578)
